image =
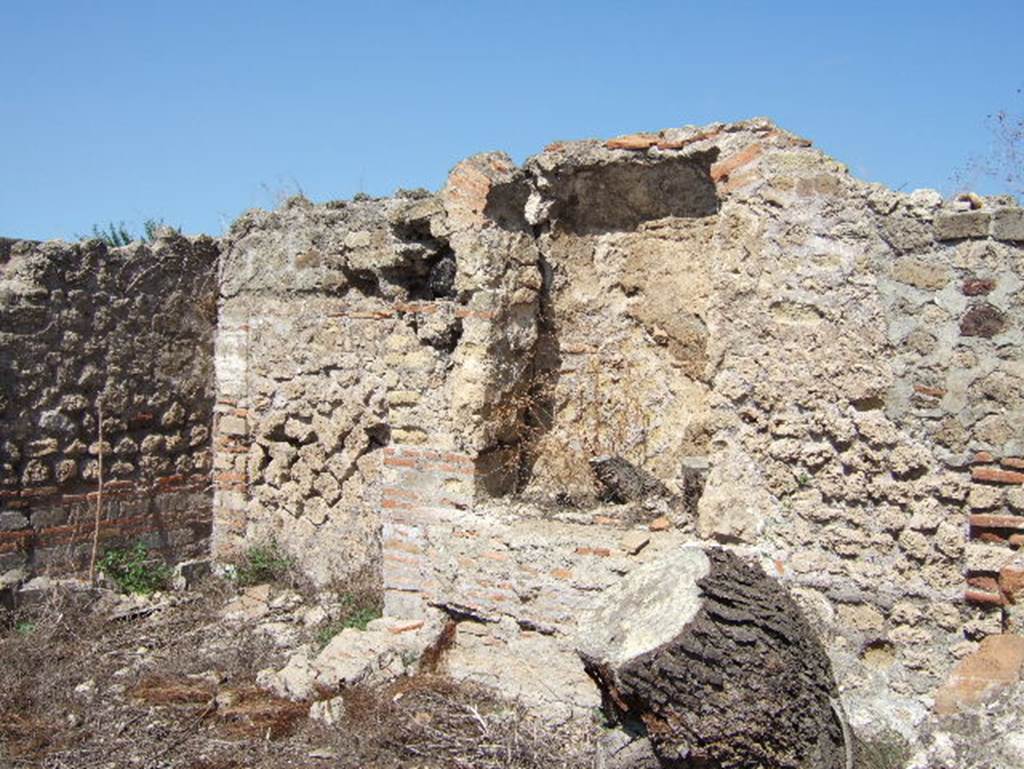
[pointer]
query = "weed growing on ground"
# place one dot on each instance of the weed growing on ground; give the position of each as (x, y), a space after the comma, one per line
(358, 611)
(263, 562)
(133, 570)
(24, 627)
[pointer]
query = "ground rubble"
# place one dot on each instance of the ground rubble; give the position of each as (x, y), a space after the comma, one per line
(220, 677)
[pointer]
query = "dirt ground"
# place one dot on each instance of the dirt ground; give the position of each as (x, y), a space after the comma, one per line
(86, 683)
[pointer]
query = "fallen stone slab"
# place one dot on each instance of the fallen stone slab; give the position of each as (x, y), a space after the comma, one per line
(387, 649)
(713, 661)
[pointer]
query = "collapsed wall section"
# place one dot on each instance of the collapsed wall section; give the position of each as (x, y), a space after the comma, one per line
(123, 336)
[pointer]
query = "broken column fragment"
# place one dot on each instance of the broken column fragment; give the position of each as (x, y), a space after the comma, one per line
(714, 662)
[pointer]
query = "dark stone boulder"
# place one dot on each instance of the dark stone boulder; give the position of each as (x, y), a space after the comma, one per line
(711, 660)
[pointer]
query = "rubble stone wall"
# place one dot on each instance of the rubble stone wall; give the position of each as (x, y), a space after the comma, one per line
(125, 333)
(844, 359)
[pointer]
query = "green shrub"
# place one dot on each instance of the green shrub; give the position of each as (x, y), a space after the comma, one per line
(357, 611)
(133, 570)
(24, 627)
(116, 235)
(264, 562)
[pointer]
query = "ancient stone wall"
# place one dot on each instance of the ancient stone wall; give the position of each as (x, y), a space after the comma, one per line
(126, 333)
(820, 373)
(844, 360)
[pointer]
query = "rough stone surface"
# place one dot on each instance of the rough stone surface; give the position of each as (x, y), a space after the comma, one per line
(998, 662)
(821, 372)
(128, 331)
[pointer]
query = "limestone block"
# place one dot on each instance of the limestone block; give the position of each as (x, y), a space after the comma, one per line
(962, 224)
(1008, 224)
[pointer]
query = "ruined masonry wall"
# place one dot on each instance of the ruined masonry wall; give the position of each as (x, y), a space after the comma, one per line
(861, 421)
(131, 329)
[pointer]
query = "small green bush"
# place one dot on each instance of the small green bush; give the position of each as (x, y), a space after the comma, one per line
(116, 235)
(265, 562)
(358, 611)
(134, 571)
(24, 627)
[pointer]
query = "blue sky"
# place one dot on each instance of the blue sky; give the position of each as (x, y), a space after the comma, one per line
(193, 112)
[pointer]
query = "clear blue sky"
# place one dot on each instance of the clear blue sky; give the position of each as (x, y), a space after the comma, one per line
(195, 111)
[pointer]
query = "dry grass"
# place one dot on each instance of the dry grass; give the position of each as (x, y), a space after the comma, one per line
(175, 690)
(559, 422)
(428, 721)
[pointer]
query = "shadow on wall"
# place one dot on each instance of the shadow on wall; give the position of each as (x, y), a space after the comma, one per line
(618, 197)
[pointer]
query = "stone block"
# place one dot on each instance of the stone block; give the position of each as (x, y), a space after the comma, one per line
(12, 521)
(50, 516)
(1008, 224)
(232, 425)
(994, 475)
(962, 224)
(986, 558)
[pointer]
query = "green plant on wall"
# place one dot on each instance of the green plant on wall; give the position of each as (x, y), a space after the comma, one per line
(116, 235)
(263, 562)
(133, 570)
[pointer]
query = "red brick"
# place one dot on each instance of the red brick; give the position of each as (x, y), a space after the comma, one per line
(660, 524)
(632, 142)
(931, 392)
(399, 462)
(406, 627)
(994, 475)
(990, 537)
(723, 169)
(977, 286)
(987, 599)
(407, 547)
(395, 491)
(229, 477)
(601, 552)
(395, 504)
(15, 536)
(983, 458)
(561, 573)
(985, 583)
(1015, 462)
(455, 469)
(40, 491)
(1017, 540)
(988, 521)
